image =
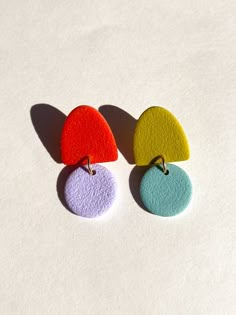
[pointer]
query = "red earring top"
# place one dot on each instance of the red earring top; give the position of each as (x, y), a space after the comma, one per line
(85, 134)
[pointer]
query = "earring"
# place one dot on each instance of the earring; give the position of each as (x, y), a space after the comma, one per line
(87, 139)
(165, 189)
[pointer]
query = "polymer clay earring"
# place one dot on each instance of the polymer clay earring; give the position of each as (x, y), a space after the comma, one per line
(87, 139)
(165, 189)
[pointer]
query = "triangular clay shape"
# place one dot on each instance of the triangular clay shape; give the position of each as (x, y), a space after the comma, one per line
(158, 133)
(85, 134)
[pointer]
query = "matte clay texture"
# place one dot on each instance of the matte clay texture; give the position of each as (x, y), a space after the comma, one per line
(90, 196)
(157, 133)
(166, 195)
(87, 133)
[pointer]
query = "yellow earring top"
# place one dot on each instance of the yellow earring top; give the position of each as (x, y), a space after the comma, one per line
(159, 133)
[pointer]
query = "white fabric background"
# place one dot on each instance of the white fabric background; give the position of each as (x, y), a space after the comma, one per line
(130, 54)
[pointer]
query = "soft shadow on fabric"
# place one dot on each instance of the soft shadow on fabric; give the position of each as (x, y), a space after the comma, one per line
(135, 178)
(48, 122)
(122, 125)
(61, 181)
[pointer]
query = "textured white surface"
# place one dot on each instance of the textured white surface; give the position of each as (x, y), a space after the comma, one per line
(131, 54)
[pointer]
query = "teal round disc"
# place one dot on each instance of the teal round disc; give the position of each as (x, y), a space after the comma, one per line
(166, 195)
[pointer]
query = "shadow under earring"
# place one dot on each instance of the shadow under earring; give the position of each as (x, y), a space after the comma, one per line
(87, 139)
(165, 189)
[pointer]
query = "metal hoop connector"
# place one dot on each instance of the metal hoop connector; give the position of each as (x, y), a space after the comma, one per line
(165, 170)
(90, 170)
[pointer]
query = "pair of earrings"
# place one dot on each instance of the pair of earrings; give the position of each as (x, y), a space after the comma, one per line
(87, 139)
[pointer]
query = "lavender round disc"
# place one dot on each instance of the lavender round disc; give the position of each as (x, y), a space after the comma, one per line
(90, 195)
